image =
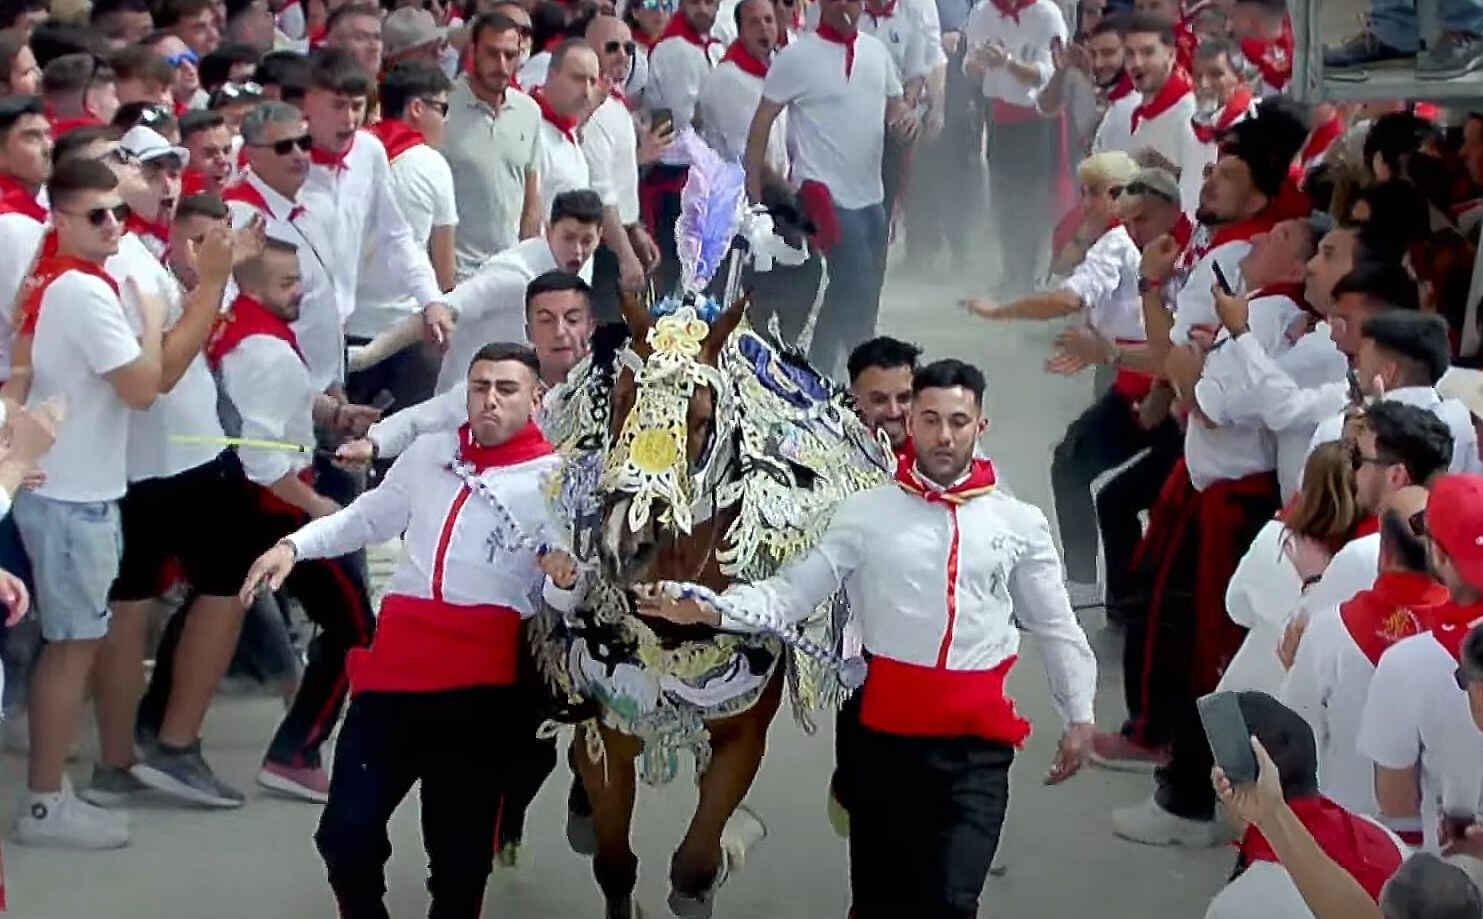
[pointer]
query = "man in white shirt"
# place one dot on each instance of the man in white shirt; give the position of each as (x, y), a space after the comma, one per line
(490, 143)
(348, 197)
(682, 59)
(567, 96)
(728, 99)
(208, 140)
(414, 100)
(840, 90)
(1331, 672)
(435, 695)
(1417, 724)
(86, 351)
(25, 164)
(273, 396)
(490, 306)
(1009, 54)
(1156, 116)
(912, 34)
(1262, 887)
(918, 746)
(610, 143)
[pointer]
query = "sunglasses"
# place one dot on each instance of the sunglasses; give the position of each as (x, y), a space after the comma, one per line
(230, 90)
(1359, 460)
(285, 146)
(99, 216)
(152, 116)
(182, 57)
(437, 105)
(627, 47)
(118, 156)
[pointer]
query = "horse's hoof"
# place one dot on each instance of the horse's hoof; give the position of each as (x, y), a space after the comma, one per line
(686, 906)
(627, 909)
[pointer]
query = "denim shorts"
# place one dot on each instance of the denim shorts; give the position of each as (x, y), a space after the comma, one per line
(75, 548)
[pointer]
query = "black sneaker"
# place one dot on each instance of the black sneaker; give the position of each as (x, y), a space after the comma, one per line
(1456, 54)
(1362, 50)
(183, 774)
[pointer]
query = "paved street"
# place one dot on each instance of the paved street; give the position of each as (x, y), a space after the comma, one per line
(259, 862)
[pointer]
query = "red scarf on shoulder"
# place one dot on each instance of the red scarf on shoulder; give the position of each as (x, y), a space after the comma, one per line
(1235, 109)
(246, 318)
(527, 444)
(15, 198)
(47, 270)
(1360, 847)
(744, 59)
(831, 34)
(980, 481)
(1011, 9)
(680, 27)
(396, 136)
(1272, 58)
(1401, 604)
(1174, 89)
(567, 126)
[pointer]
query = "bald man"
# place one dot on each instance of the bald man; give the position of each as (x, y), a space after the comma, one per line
(1336, 658)
(628, 254)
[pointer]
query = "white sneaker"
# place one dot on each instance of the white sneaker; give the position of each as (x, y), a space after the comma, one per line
(1148, 823)
(61, 820)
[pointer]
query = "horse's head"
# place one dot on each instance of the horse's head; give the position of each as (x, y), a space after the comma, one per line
(667, 448)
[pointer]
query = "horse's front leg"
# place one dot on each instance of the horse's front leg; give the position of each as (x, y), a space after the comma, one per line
(610, 786)
(737, 745)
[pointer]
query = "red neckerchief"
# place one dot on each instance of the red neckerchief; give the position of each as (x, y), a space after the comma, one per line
(680, 27)
(1184, 228)
(317, 36)
(744, 59)
(1452, 623)
(1122, 88)
(980, 481)
(526, 444)
(334, 162)
(830, 34)
(567, 126)
(243, 191)
(1273, 57)
(397, 136)
(16, 198)
(885, 12)
(1236, 108)
(1166, 98)
(1319, 142)
(60, 126)
(1399, 605)
(193, 182)
(1011, 9)
(1359, 847)
(48, 269)
(246, 318)
(141, 227)
(1240, 230)
(647, 42)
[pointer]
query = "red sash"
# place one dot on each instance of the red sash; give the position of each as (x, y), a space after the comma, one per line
(566, 126)
(396, 136)
(1319, 141)
(1272, 58)
(744, 59)
(1236, 108)
(1176, 87)
(47, 271)
(245, 318)
(427, 646)
(1401, 604)
(1359, 847)
(15, 198)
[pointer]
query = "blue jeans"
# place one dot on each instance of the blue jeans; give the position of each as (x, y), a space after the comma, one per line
(1394, 21)
(75, 549)
(852, 299)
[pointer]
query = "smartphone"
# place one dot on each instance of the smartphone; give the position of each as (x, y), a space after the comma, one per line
(662, 121)
(1230, 741)
(1220, 278)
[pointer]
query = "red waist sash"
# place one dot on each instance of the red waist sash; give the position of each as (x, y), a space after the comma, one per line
(427, 646)
(916, 701)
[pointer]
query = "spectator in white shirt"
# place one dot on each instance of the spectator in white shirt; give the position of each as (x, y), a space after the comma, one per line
(356, 28)
(86, 351)
(840, 90)
(679, 63)
(1009, 55)
(912, 34)
(628, 254)
(490, 143)
(208, 140)
(1417, 724)
(568, 95)
(1341, 645)
(414, 101)
(728, 99)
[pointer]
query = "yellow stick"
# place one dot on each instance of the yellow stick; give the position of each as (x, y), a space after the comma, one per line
(247, 442)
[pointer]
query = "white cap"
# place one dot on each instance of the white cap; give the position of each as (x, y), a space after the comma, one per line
(148, 145)
(1466, 386)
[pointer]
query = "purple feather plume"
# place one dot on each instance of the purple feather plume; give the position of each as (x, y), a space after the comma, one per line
(709, 212)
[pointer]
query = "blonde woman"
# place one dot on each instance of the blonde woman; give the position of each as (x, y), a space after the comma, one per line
(1102, 176)
(1266, 588)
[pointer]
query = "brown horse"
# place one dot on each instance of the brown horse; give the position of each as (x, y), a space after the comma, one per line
(660, 549)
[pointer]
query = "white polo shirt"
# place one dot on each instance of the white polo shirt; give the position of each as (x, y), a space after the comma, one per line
(82, 334)
(1414, 713)
(488, 154)
(836, 123)
(728, 100)
(610, 145)
(422, 186)
(1028, 39)
(561, 163)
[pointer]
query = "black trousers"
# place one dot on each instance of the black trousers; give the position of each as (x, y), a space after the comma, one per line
(1103, 437)
(1022, 179)
(1135, 488)
(937, 213)
(455, 743)
(925, 817)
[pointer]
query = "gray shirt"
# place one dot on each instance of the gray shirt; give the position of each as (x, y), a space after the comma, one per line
(489, 153)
